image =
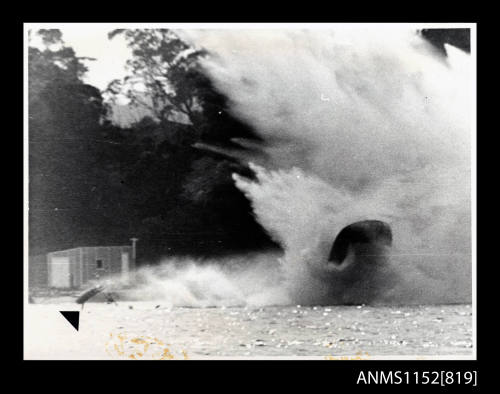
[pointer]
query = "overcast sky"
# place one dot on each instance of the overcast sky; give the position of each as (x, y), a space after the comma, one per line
(92, 41)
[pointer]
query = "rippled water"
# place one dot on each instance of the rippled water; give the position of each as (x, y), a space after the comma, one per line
(121, 331)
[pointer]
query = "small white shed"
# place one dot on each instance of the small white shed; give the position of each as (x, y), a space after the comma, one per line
(72, 268)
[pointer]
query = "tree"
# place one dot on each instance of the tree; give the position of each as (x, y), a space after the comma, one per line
(96, 183)
(166, 78)
(161, 77)
(188, 201)
(65, 117)
(456, 37)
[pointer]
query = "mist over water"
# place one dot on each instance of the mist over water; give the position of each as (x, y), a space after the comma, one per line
(358, 124)
(250, 280)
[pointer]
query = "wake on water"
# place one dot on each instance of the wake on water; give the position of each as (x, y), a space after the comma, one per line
(358, 124)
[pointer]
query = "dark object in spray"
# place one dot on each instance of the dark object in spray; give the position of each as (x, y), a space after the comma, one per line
(88, 294)
(358, 263)
(368, 238)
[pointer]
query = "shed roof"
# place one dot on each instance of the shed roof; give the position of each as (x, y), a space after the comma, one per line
(90, 247)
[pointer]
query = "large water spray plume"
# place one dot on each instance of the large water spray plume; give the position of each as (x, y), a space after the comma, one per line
(358, 124)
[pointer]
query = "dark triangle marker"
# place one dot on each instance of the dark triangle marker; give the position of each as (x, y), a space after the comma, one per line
(73, 317)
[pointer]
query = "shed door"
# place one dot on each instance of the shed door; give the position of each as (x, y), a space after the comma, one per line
(59, 272)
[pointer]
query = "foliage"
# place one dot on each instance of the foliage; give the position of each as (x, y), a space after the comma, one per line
(64, 122)
(161, 73)
(95, 183)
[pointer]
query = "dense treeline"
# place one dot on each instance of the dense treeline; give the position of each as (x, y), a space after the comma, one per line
(96, 183)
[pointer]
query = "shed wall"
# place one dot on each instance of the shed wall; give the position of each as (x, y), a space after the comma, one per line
(82, 264)
(37, 271)
(110, 257)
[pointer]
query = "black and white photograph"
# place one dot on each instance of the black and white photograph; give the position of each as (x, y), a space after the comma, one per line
(250, 191)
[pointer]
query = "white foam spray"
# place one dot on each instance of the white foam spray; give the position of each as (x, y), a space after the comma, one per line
(358, 124)
(250, 280)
